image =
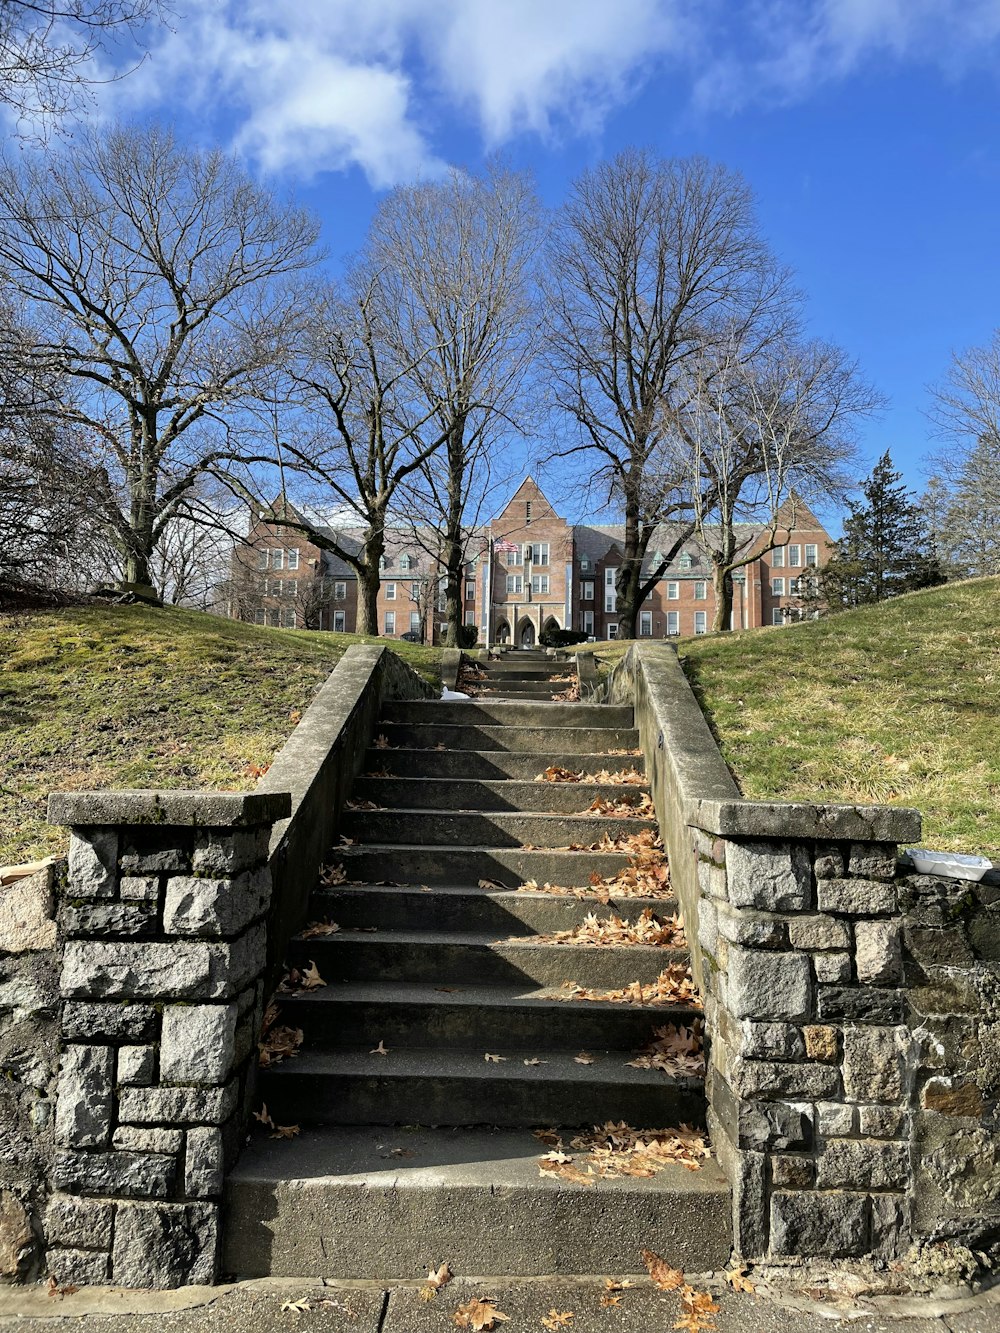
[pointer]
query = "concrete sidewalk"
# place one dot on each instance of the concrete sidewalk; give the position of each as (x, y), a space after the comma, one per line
(365, 1307)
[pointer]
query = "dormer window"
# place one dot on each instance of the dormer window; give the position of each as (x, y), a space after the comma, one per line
(585, 563)
(657, 559)
(686, 561)
(404, 561)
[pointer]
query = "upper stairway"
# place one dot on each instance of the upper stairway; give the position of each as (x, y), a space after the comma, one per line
(467, 901)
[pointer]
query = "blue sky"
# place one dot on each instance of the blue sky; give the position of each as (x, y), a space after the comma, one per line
(868, 130)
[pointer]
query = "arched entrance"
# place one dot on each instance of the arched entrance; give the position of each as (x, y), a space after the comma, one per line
(525, 633)
(550, 624)
(503, 631)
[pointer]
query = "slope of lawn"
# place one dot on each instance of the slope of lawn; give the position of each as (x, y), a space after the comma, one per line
(896, 703)
(132, 696)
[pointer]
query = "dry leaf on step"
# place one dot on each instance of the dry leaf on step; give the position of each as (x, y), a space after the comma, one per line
(555, 1320)
(664, 1277)
(264, 1117)
(379, 1049)
(285, 1131)
(490, 884)
(738, 1280)
(310, 978)
(440, 1276)
(584, 1058)
(493, 1059)
(301, 1306)
(536, 1061)
(481, 1316)
(697, 1309)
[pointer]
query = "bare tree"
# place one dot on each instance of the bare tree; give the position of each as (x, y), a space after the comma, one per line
(48, 48)
(157, 280)
(456, 258)
(760, 432)
(651, 262)
(965, 406)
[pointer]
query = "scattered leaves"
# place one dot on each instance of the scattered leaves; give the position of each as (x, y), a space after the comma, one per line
(379, 1049)
(317, 928)
(382, 742)
(697, 1311)
(556, 1319)
(331, 875)
(280, 1131)
(674, 1050)
(278, 1041)
(664, 1277)
(479, 1315)
(674, 985)
(556, 773)
(364, 805)
(620, 808)
(55, 1290)
(571, 695)
(256, 770)
(614, 930)
(616, 1149)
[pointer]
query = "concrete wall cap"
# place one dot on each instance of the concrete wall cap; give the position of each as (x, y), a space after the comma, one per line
(202, 809)
(803, 819)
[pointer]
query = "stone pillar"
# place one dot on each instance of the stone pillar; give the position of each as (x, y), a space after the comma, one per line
(164, 918)
(811, 1063)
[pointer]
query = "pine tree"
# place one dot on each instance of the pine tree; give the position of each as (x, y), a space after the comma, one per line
(885, 550)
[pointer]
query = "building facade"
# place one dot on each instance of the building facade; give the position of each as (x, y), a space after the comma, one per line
(528, 571)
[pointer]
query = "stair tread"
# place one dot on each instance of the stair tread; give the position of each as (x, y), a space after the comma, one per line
(403, 993)
(432, 1158)
(458, 1063)
(480, 940)
(478, 891)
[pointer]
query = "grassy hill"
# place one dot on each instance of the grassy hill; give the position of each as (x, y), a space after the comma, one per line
(897, 703)
(131, 696)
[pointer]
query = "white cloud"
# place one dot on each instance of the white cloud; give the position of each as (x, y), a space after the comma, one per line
(319, 85)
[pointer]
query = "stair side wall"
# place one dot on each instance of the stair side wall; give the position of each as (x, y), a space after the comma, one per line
(851, 1006)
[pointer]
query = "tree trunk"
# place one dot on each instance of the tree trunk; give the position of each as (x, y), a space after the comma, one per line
(630, 576)
(453, 544)
(368, 586)
(722, 582)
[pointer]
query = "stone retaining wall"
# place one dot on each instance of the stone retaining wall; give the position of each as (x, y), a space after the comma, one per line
(848, 1002)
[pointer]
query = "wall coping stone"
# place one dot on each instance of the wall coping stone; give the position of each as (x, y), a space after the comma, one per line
(804, 819)
(200, 809)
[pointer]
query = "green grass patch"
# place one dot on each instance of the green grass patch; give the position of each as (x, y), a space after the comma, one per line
(133, 696)
(895, 704)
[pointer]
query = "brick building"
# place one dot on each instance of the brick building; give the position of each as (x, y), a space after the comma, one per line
(528, 570)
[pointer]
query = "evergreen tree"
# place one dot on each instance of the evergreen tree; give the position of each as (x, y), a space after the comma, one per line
(885, 550)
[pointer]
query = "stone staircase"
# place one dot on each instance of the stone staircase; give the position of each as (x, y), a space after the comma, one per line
(427, 1153)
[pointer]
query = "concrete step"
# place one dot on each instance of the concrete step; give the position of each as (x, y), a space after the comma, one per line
(425, 1014)
(541, 741)
(427, 1086)
(481, 958)
(422, 793)
(492, 764)
(381, 1204)
(517, 671)
(507, 866)
(466, 908)
(486, 828)
(484, 713)
(520, 691)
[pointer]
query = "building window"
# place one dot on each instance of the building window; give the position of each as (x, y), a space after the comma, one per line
(513, 556)
(276, 586)
(812, 555)
(539, 553)
(700, 591)
(470, 617)
(390, 592)
(404, 561)
(584, 564)
(685, 561)
(414, 622)
(274, 619)
(470, 592)
(673, 622)
(263, 559)
(390, 622)
(414, 592)
(794, 557)
(540, 583)
(586, 591)
(588, 622)
(527, 511)
(293, 559)
(778, 558)
(610, 590)
(673, 592)
(778, 616)
(645, 624)
(514, 583)
(288, 617)
(613, 630)
(277, 557)
(338, 622)
(340, 592)
(442, 594)
(258, 615)
(777, 587)
(700, 622)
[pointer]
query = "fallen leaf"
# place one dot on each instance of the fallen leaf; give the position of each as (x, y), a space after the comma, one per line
(310, 978)
(609, 1299)
(331, 875)
(556, 1156)
(738, 1280)
(493, 1059)
(295, 715)
(479, 1315)
(285, 1131)
(264, 1117)
(664, 1277)
(439, 1277)
(491, 884)
(301, 1306)
(536, 1061)
(382, 742)
(426, 1294)
(317, 928)
(697, 1309)
(379, 1049)
(554, 1319)
(584, 1058)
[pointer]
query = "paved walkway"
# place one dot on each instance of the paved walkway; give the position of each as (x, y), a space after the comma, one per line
(257, 1307)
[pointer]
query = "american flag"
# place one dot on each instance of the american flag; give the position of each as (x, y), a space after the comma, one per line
(503, 547)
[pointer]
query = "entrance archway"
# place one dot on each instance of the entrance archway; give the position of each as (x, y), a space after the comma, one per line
(550, 624)
(525, 633)
(503, 631)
